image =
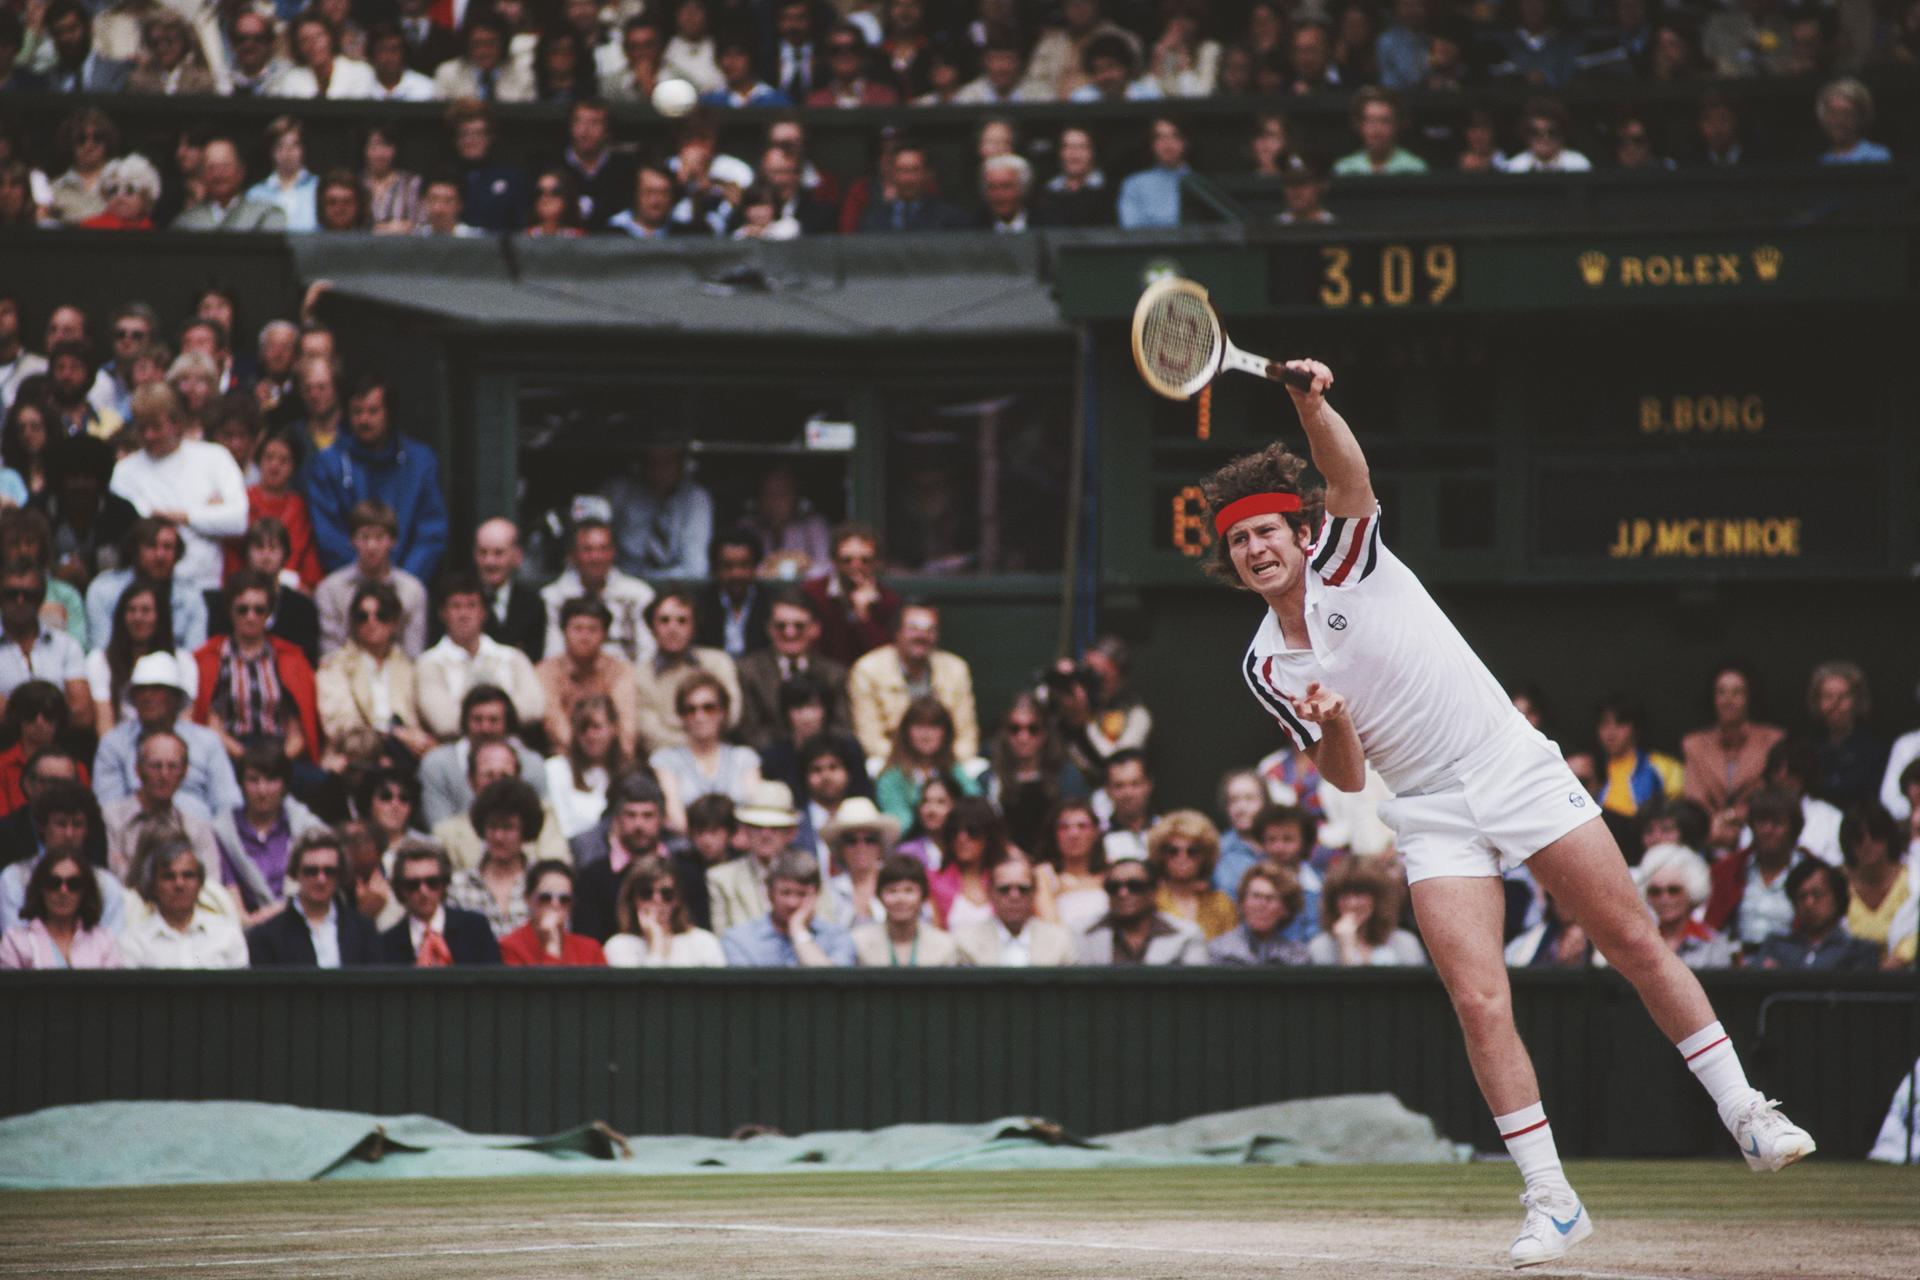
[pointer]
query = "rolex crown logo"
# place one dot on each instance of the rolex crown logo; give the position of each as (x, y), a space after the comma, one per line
(1766, 263)
(1593, 268)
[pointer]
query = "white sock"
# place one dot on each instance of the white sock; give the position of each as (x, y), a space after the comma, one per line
(1529, 1140)
(1710, 1056)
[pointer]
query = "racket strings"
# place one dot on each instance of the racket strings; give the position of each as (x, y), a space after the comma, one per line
(1179, 337)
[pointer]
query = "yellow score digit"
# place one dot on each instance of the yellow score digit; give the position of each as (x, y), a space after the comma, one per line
(1190, 534)
(1396, 275)
(1443, 271)
(1336, 290)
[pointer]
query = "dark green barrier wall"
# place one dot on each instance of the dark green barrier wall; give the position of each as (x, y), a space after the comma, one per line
(1099, 1051)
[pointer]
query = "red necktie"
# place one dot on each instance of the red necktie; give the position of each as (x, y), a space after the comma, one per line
(433, 952)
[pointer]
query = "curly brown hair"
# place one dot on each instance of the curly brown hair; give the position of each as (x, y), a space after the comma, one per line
(1275, 469)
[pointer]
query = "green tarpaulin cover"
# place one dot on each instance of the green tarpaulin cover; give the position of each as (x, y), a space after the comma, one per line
(106, 1144)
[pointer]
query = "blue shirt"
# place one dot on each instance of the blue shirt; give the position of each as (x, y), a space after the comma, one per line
(1861, 152)
(758, 945)
(297, 202)
(1152, 198)
(661, 537)
(1402, 55)
(209, 780)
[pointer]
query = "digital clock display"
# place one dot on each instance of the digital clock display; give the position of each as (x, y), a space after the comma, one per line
(1378, 276)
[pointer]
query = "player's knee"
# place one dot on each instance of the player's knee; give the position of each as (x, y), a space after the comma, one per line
(1483, 1009)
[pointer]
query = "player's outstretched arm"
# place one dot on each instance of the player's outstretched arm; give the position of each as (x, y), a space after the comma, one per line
(1338, 754)
(1336, 454)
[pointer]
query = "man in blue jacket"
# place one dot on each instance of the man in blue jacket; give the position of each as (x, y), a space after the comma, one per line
(374, 461)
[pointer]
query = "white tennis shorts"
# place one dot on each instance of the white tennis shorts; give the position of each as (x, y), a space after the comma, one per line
(1506, 802)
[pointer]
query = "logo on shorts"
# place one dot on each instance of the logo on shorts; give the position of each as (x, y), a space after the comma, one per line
(1338, 621)
(1577, 799)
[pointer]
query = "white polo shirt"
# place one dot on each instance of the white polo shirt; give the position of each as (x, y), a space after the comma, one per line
(1419, 697)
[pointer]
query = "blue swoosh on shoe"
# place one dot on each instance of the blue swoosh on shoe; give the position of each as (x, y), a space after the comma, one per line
(1753, 1146)
(1565, 1227)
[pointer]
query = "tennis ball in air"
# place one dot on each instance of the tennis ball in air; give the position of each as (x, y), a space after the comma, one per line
(674, 97)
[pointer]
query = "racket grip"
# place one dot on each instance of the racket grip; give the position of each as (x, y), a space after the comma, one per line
(1294, 378)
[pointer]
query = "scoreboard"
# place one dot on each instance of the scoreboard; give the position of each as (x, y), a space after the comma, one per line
(1547, 408)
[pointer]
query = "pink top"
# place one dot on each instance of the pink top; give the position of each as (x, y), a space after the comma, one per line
(30, 946)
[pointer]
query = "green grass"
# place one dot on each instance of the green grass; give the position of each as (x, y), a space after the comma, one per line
(1715, 1191)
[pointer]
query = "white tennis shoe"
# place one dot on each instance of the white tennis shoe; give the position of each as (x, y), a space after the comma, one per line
(1554, 1224)
(1768, 1140)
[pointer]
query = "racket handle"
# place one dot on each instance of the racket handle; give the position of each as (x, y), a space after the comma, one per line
(1294, 378)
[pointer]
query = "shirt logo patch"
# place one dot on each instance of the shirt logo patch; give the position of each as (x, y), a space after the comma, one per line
(1337, 621)
(1577, 799)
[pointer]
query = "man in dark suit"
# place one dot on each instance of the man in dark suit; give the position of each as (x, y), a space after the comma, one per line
(793, 630)
(630, 831)
(78, 67)
(730, 613)
(913, 207)
(605, 176)
(515, 613)
(433, 935)
(428, 43)
(781, 172)
(319, 928)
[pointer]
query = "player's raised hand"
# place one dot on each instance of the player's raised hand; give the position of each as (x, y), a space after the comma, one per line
(1319, 704)
(1321, 375)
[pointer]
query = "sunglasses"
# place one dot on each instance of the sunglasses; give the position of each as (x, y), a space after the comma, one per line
(68, 884)
(700, 708)
(1662, 890)
(409, 884)
(371, 615)
(551, 899)
(250, 610)
(1025, 728)
(1013, 890)
(1180, 850)
(1118, 887)
(861, 837)
(389, 794)
(789, 628)
(1543, 131)
(665, 893)
(14, 594)
(319, 871)
(135, 334)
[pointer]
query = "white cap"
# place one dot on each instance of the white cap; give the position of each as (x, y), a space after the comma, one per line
(157, 669)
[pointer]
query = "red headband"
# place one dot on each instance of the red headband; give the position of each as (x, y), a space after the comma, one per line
(1256, 504)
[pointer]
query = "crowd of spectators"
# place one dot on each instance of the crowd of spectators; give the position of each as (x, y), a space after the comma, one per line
(258, 705)
(476, 54)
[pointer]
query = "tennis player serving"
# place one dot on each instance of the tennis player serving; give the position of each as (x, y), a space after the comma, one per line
(1358, 665)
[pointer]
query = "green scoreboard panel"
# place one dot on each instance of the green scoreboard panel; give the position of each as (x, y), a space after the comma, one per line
(1661, 407)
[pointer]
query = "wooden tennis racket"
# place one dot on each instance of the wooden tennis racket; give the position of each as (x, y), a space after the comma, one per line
(1180, 346)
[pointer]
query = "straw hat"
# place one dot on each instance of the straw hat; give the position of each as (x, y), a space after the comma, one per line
(769, 804)
(861, 814)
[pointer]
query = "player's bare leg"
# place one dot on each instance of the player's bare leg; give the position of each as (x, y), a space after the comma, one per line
(1586, 875)
(1460, 921)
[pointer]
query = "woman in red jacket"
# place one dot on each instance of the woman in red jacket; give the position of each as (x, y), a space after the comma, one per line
(544, 938)
(254, 685)
(275, 495)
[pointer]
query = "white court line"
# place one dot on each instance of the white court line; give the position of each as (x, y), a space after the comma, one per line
(749, 1228)
(232, 1235)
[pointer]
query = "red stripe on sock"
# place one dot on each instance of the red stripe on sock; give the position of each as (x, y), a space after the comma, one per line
(1716, 1044)
(1521, 1133)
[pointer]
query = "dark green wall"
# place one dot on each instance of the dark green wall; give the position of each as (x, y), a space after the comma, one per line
(1577, 644)
(1098, 1050)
